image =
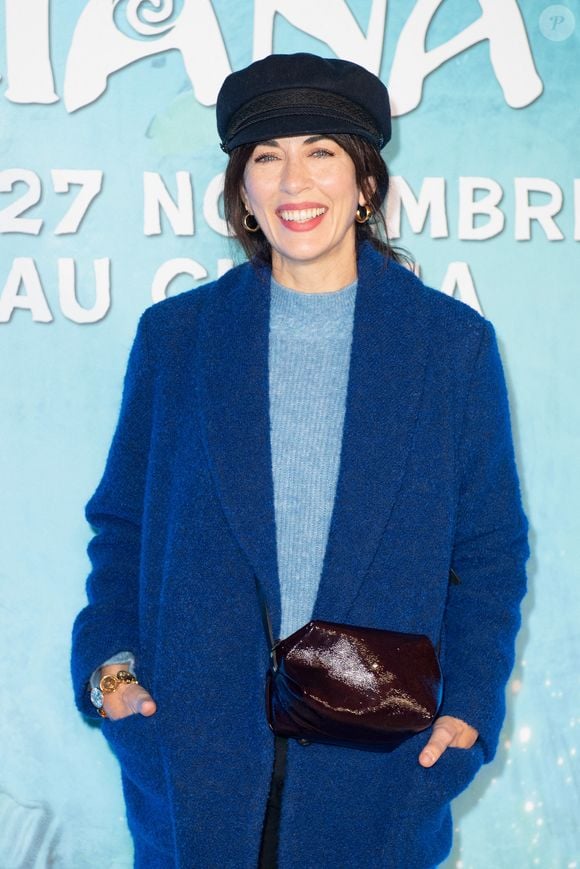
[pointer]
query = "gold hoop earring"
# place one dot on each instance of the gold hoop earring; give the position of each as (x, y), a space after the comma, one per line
(250, 227)
(363, 216)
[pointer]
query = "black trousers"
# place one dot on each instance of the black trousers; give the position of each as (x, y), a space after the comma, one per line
(269, 846)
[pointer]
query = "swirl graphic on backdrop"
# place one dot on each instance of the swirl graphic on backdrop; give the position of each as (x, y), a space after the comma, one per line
(145, 17)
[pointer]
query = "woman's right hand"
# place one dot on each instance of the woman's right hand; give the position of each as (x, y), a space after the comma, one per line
(129, 699)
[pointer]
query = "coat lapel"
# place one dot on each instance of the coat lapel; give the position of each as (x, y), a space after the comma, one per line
(383, 395)
(385, 385)
(234, 402)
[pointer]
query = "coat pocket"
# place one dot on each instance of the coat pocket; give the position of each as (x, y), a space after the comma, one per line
(133, 741)
(450, 775)
(419, 808)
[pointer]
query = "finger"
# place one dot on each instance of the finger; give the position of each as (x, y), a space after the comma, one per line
(139, 700)
(442, 736)
(466, 737)
(128, 700)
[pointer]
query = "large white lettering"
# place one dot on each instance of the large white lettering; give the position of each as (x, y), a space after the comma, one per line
(23, 289)
(211, 201)
(331, 22)
(543, 214)
(89, 181)
(103, 44)
(24, 275)
(11, 219)
(470, 207)
(67, 292)
(166, 273)
(99, 48)
(511, 58)
(158, 198)
(30, 78)
(431, 200)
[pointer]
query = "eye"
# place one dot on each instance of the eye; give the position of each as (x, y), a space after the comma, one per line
(322, 152)
(265, 157)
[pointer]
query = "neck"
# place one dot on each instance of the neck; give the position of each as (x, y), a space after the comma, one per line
(314, 277)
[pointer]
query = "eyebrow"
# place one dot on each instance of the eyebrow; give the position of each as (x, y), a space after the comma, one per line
(274, 143)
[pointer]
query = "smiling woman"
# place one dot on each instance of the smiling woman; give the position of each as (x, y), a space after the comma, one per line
(315, 438)
(303, 193)
(371, 179)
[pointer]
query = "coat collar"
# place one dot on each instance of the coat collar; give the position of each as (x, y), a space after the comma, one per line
(385, 384)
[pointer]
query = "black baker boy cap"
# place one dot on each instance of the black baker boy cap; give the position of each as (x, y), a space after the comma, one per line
(296, 94)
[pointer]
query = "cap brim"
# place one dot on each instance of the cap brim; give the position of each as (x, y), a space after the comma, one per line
(289, 124)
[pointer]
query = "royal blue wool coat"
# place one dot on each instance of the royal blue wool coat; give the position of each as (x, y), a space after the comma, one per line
(184, 514)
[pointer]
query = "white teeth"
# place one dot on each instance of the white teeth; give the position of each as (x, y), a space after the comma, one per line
(303, 214)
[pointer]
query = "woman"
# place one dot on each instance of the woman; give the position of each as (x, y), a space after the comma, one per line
(320, 418)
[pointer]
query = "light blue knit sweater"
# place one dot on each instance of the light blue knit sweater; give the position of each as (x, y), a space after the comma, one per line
(309, 354)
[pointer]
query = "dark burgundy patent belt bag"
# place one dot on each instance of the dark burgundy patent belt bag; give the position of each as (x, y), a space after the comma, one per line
(349, 685)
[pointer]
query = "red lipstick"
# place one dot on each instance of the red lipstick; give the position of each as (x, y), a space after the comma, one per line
(301, 216)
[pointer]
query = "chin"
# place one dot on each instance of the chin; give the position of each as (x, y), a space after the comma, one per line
(306, 251)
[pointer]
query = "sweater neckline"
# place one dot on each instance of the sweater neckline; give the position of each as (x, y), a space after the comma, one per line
(319, 314)
(316, 294)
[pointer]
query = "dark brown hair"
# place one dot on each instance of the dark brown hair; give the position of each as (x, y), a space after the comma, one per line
(368, 165)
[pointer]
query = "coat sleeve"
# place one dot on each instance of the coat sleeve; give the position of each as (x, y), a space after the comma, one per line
(109, 623)
(490, 551)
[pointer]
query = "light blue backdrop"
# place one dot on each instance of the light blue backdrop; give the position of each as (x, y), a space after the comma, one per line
(489, 112)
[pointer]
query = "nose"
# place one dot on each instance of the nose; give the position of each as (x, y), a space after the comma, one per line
(295, 176)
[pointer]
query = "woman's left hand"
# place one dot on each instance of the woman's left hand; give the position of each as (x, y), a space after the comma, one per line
(448, 732)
